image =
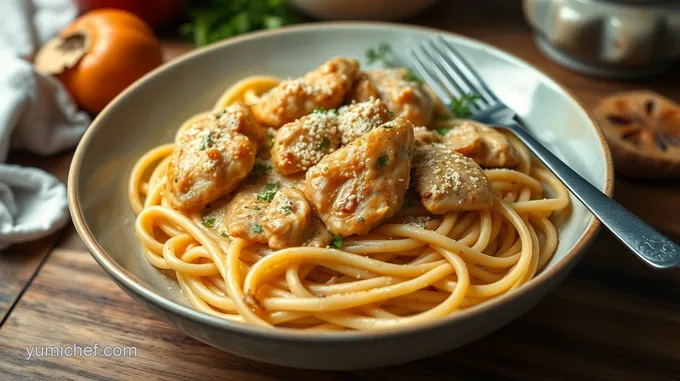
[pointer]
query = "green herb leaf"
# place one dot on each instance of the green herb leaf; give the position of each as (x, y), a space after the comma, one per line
(213, 20)
(382, 53)
(411, 76)
(206, 142)
(382, 161)
(210, 222)
(273, 22)
(460, 107)
(224, 234)
(319, 110)
(287, 209)
(256, 207)
(442, 131)
(241, 22)
(325, 143)
(337, 241)
(260, 168)
(186, 30)
(271, 139)
(361, 219)
(256, 228)
(270, 191)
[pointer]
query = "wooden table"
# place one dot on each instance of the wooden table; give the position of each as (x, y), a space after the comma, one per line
(613, 318)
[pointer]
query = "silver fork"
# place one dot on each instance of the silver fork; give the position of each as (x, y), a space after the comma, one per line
(449, 74)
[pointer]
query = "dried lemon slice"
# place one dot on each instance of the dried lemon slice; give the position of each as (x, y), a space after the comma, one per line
(643, 131)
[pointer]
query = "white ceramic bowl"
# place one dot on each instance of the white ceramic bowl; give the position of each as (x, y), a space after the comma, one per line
(149, 112)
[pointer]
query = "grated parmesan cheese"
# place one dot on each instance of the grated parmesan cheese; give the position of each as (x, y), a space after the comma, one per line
(359, 118)
(419, 221)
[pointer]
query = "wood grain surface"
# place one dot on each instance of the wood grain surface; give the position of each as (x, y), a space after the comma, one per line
(19, 263)
(612, 319)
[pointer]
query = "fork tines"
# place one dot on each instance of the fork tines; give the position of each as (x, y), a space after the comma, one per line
(441, 64)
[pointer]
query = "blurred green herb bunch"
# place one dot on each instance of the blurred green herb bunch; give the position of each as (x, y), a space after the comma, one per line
(214, 20)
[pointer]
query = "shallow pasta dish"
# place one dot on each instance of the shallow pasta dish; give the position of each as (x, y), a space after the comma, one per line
(343, 199)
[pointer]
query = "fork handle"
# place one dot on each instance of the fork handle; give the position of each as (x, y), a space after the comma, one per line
(652, 247)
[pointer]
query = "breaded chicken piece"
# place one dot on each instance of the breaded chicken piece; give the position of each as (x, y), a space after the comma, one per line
(485, 145)
(300, 144)
(357, 119)
(425, 136)
(288, 218)
(448, 181)
(210, 158)
(464, 139)
(404, 96)
(325, 87)
(356, 187)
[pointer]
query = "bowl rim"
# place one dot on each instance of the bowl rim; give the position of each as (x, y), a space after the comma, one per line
(151, 297)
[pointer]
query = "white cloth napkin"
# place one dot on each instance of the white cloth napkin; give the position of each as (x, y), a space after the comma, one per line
(36, 114)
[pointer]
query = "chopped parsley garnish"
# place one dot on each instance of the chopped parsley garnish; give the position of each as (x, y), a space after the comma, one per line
(361, 219)
(256, 228)
(270, 191)
(322, 110)
(382, 161)
(325, 143)
(390, 113)
(210, 222)
(271, 139)
(325, 169)
(287, 209)
(261, 168)
(382, 53)
(222, 113)
(410, 76)
(214, 20)
(460, 107)
(206, 142)
(337, 241)
(256, 207)
(224, 234)
(442, 131)
(258, 170)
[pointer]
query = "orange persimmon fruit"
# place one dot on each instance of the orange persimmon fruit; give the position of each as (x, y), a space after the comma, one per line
(99, 55)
